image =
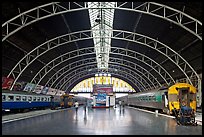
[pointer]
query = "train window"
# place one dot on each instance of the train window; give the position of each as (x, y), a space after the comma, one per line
(192, 97)
(38, 98)
(34, 98)
(18, 98)
(145, 98)
(42, 99)
(45, 99)
(10, 98)
(3, 97)
(172, 97)
(24, 98)
(149, 98)
(29, 98)
(153, 98)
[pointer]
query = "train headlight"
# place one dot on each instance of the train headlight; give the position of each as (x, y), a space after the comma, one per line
(7, 110)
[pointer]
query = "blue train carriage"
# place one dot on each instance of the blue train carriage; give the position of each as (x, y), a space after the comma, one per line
(55, 102)
(153, 99)
(21, 100)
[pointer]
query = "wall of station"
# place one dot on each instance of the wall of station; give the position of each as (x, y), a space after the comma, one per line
(118, 84)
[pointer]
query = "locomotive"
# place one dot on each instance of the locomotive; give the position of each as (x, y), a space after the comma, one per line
(67, 100)
(166, 99)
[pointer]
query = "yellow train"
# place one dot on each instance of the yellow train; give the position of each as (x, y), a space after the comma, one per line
(181, 93)
(163, 98)
(66, 100)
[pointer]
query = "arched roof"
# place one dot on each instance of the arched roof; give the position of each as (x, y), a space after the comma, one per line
(162, 41)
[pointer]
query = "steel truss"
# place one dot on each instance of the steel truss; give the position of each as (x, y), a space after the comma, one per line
(173, 56)
(167, 13)
(137, 81)
(118, 51)
(82, 72)
(65, 57)
(135, 76)
(151, 79)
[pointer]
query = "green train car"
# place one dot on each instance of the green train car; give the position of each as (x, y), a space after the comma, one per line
(155, 99)
(163, 98)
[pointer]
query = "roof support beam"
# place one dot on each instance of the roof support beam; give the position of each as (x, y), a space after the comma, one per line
(65, 57)
(134, 73)
(81, 72)
(41, 12)
(117, 51)
(173, 56)
(124, 73)
(68, 68)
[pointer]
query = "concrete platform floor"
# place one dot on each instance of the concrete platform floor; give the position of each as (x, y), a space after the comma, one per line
(104, 121)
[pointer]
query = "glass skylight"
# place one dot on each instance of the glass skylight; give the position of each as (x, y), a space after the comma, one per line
(101, 20)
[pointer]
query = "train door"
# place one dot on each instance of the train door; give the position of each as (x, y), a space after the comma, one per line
(52, 102)
(165, 99)
(184, 96)
(70, 101)
(66, 100)
(164, 104)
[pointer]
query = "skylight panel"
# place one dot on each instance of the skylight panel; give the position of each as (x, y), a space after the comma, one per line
(101, 19)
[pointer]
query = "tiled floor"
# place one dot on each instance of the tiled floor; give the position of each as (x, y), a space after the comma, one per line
(111, 121)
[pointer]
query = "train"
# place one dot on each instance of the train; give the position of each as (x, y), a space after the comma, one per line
(166, 99)
(19, 101)
(68, 100)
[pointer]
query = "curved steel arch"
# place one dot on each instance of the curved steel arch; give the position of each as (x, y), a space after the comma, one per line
(63, 74)
(136, 76)
(111, 60)
(85, 76)
(80, 71)
(60, 59)
(123, 35)
(76, 78)
(64, 57)
(92, 76)
(72, 77)
(83, 35)
(161, 48)
(123, 73)
(26, 18)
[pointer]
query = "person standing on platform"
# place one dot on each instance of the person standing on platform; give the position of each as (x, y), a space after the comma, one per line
(52, 103)
(123, 104)
(85, 104)
(76, 106)
(120, 103)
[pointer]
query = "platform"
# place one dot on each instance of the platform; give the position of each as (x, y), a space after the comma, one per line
(103, 121)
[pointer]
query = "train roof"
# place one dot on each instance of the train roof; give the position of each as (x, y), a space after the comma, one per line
(151, 92)
(22, 92)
